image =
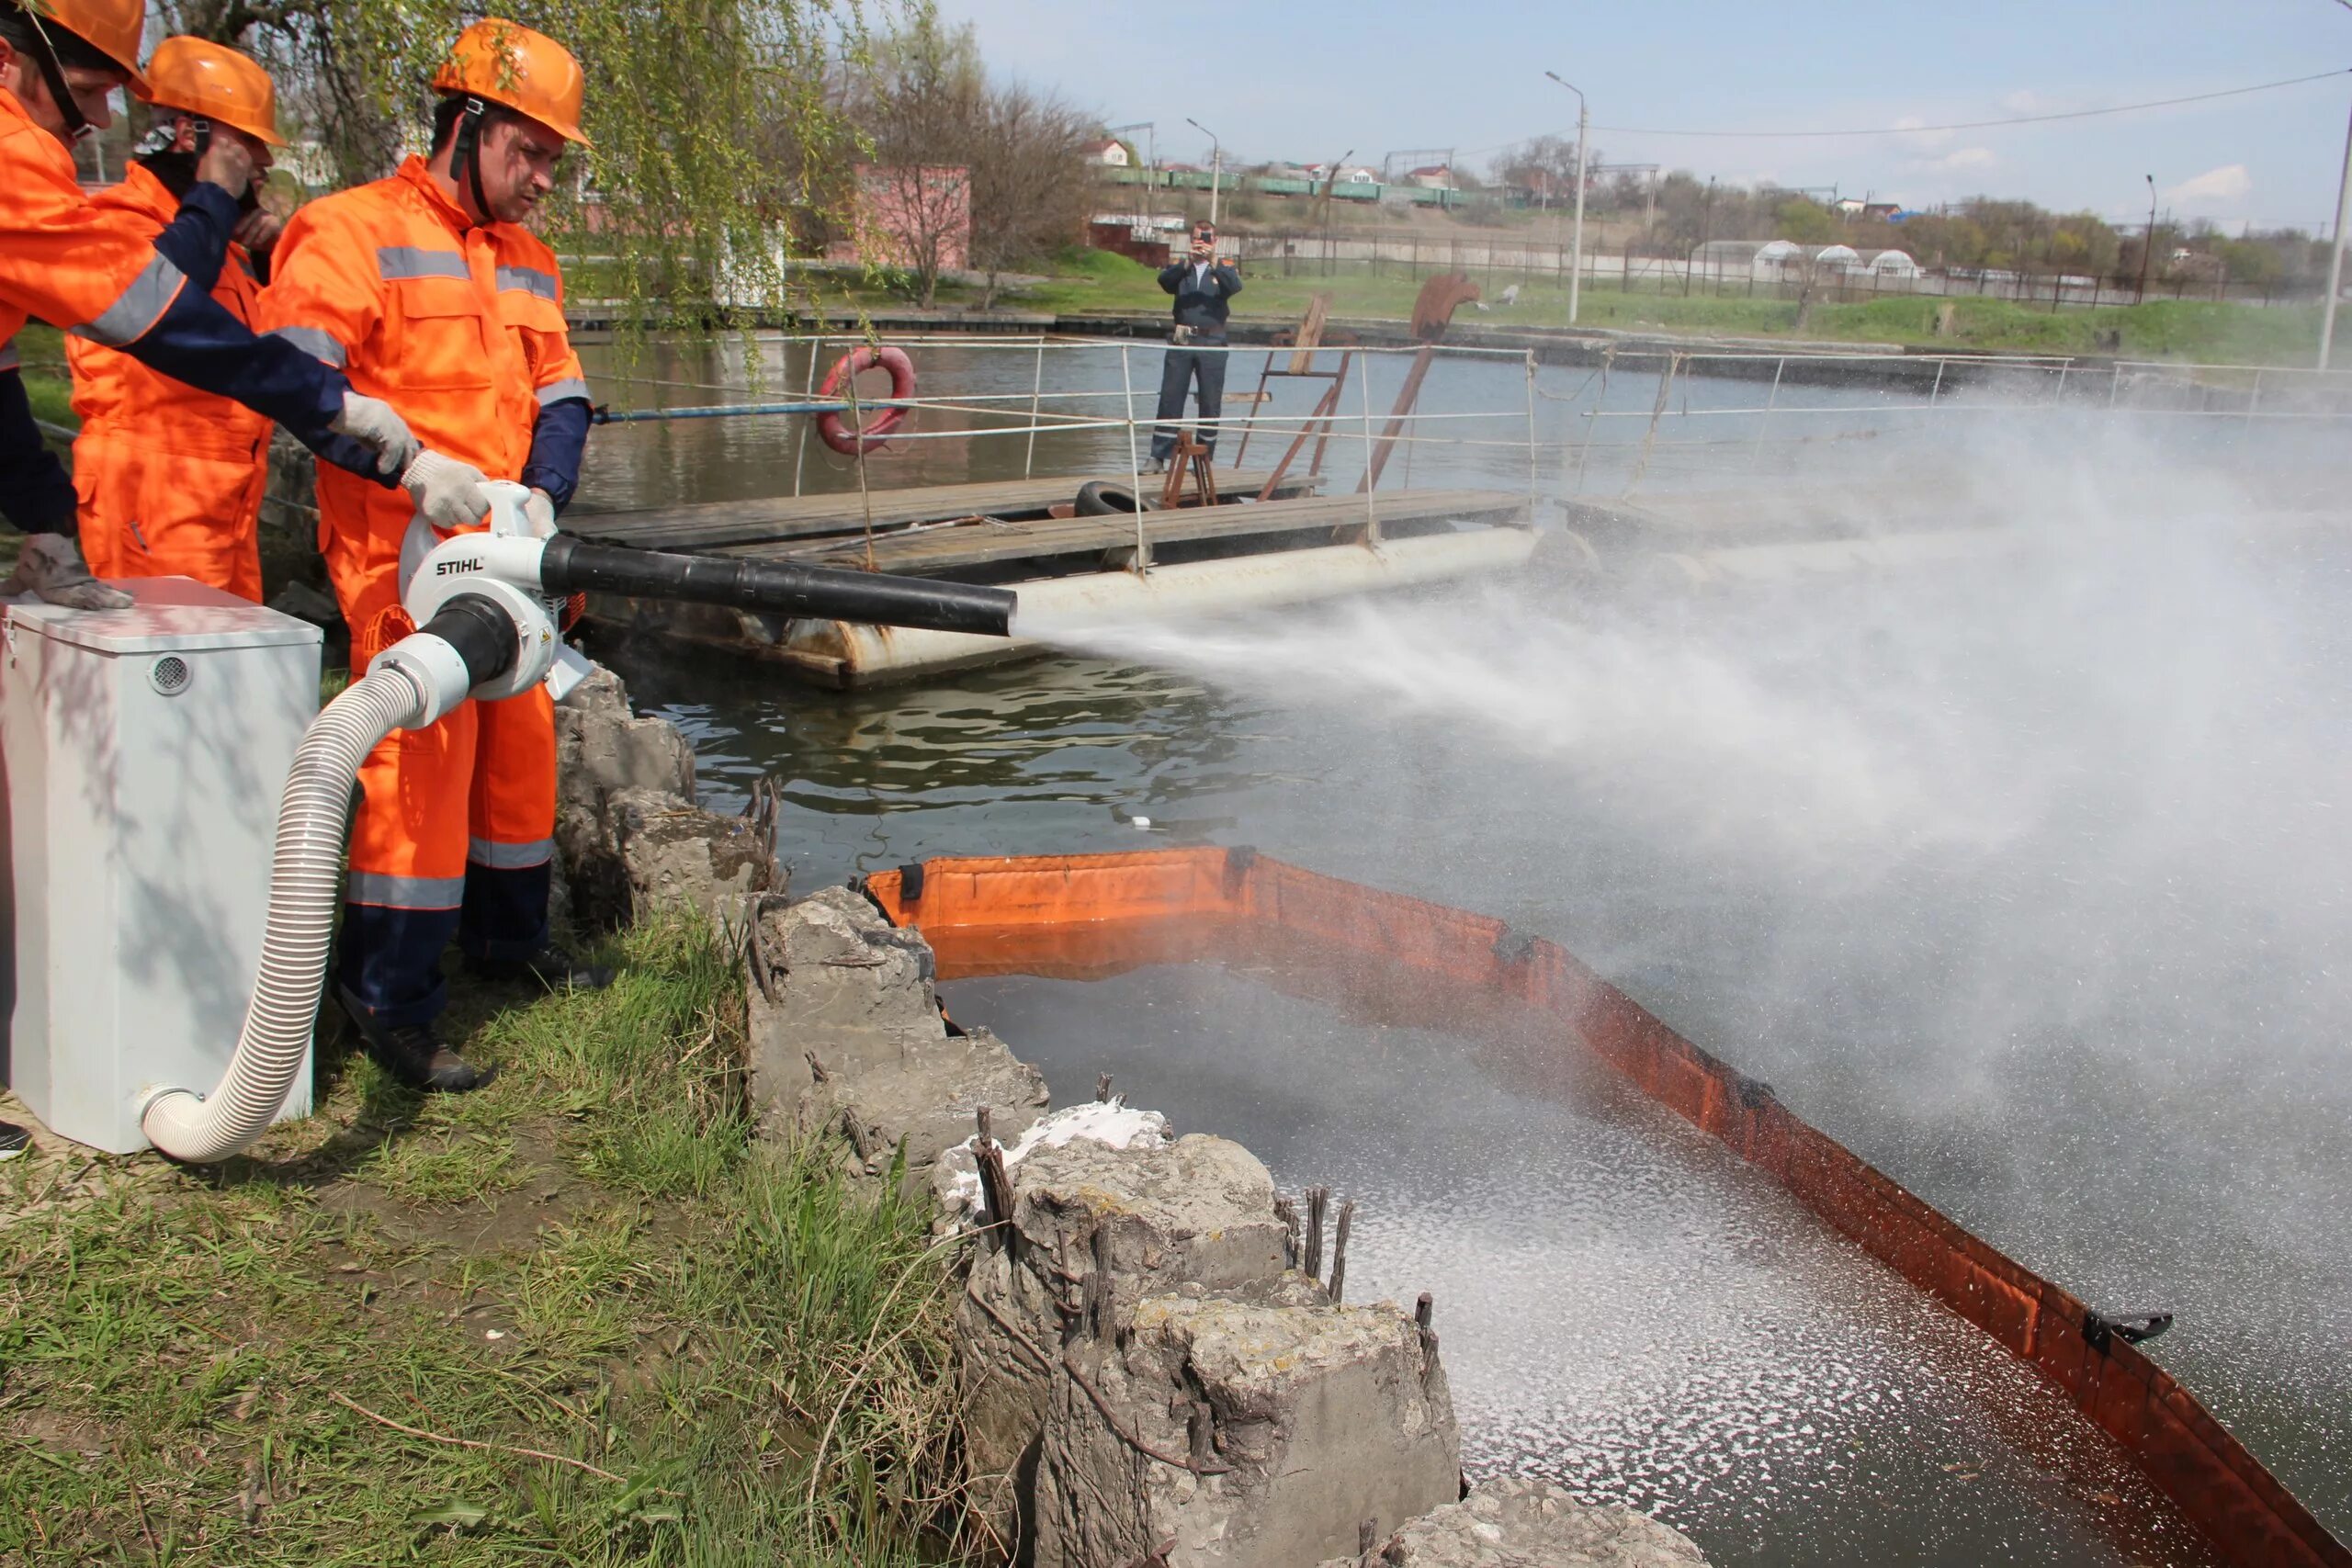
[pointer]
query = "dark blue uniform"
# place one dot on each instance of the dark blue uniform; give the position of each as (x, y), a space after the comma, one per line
(1201, 294)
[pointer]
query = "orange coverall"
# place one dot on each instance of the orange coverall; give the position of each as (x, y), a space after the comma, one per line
(170, 479)
(461, 329)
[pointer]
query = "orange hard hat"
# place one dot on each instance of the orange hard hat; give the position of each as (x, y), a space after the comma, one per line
(507, 63)
(216, 82)
(113, 28)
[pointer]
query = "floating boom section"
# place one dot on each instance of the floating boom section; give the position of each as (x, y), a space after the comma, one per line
(1087, 915)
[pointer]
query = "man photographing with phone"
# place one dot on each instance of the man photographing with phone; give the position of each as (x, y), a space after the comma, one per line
(1196, 352)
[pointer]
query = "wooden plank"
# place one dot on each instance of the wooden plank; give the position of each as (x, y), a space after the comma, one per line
(1311, 334)
(711, 524)
(933, 551)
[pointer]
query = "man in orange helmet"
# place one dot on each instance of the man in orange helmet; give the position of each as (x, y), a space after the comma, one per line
(171, 478)
(425, 289)
(62, 262)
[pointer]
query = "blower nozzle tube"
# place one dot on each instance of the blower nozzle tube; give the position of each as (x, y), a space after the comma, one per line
(815, 592)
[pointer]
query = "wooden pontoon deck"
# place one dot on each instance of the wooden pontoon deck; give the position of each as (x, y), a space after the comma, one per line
(710, 526)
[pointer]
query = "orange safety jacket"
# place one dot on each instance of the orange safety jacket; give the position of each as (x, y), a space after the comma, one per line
(458, 327)
(64, 262)
(170, 478)
(61, 261)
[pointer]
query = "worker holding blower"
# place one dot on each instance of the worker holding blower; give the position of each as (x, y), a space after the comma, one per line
(64, 262)
(425, 289)
(171, 478)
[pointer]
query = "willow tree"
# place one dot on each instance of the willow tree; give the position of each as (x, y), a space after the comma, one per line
(718, 144)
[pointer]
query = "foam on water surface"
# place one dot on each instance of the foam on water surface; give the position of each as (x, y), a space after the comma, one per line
(1623, 1305)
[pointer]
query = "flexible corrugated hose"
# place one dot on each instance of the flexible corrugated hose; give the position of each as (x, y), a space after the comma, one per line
(304, 877)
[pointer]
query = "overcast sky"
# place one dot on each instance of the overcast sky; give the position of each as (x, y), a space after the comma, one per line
(1308, 79)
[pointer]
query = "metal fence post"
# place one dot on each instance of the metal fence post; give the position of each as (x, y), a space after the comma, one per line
(1530, 437)
(801, 441)
(1371, 510)
(1134, 466)
(1037, 387)
(1779, 367)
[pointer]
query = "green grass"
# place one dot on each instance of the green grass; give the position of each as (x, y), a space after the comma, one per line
(46, 385)
(1097, 281)
(591, 1259)
(445, 1170)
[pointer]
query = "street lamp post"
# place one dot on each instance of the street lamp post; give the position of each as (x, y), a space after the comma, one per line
(1575, 245)
(2335, 257)
(1216, 165)
(2148, 246)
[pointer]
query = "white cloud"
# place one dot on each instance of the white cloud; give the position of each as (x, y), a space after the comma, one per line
(2212, 193)
(1965, 158)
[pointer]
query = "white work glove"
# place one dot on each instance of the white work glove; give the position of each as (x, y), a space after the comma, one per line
(448, 493)
(538, 511)
(374, 424)
(52, 566)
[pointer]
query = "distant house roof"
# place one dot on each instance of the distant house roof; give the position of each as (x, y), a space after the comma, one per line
(1108, 150)
(1431, 169)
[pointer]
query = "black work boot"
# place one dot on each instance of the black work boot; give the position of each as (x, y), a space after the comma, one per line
(414, 1055)
(551, 966)
(14, 1140)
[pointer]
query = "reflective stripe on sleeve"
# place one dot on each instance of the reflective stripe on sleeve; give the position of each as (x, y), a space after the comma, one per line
(509, 857)
(394, 262)
(529, 279)
(316, 342)
(557, 391)
(137, 308)
(405, 892)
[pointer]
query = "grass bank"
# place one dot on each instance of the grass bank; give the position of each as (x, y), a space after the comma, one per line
(1090, 281)
(578, 1316)
(43, 349)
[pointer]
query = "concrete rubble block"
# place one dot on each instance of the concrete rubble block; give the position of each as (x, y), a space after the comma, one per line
(956, 1180)
(847, 1035)
(602, 752)
(672, 853)
(603, 747)
(1198, 1211)
(1247, 1428)
(1512, 1521)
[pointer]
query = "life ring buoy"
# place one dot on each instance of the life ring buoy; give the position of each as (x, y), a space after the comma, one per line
(833, 429)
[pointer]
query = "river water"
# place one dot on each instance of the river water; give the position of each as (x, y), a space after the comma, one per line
(2027, 881)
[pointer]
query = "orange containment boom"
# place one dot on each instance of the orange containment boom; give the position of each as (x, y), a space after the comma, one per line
(1081, 916)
